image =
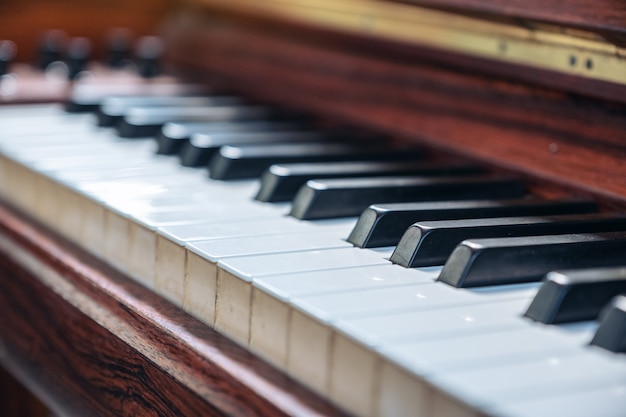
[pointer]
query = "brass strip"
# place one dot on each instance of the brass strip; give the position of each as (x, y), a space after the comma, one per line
(545, 48)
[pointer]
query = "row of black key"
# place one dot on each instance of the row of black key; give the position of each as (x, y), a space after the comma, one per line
(481, 239)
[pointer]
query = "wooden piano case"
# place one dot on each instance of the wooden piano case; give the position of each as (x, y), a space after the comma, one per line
(89, 341)
(563, 127)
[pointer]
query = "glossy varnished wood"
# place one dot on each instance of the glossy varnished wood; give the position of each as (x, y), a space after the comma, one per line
(327, 35)
(88, 341)
(17, 401)
(607, 17)
(550, 135)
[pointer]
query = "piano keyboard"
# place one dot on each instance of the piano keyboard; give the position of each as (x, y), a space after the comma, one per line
(375, 337)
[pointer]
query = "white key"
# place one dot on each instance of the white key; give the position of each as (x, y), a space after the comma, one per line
(234, 289)
(285, 336)
(214, 250)
(249, 267)
(438, 322)
(72, 130)
(288, 286)
(354, 304)
(242, 228)
(520, 381)
(200, 285)
(484, 349)
(599, 401)
(10, 112)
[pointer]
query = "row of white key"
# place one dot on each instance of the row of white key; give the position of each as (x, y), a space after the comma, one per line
(305, 301)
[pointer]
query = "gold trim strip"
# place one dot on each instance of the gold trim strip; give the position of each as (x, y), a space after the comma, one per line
(587, 56)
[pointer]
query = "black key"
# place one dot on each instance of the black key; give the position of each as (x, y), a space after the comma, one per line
(383, 224)
(282, 182)
(146, 121)
(322, 199)
(112, 109)
(173, 136)
(148, 54)
(250, 161)
(611, 333)
(8, 50)
(577, 295)
(118, 47)
(481, 262)
(81, 104)
(78, 55)
(51, 48)
(201, 148)
(430, 243)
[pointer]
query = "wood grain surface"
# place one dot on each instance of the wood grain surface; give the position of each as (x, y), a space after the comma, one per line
(17, 401)
(552, 135)
(602, 16)
(89, 341)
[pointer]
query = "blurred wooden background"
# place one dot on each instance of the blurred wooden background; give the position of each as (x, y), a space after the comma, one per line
(24, 21)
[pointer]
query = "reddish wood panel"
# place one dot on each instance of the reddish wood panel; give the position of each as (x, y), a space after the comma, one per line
(373, 46)
(552, 136)
(60, 339)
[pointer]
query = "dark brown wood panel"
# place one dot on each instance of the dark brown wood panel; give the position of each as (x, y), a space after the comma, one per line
(17, 401)
(89, 341)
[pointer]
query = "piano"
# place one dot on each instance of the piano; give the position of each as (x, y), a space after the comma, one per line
(132, 284)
